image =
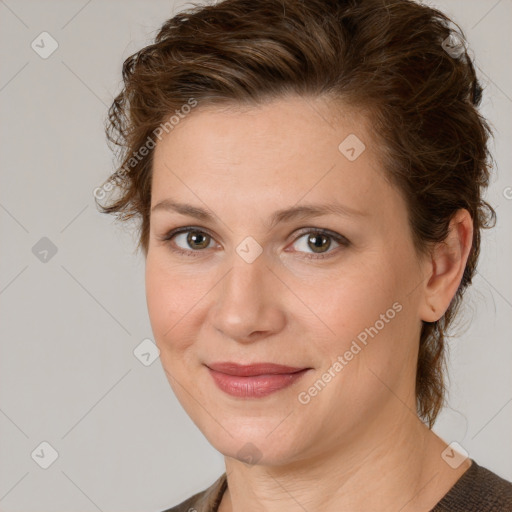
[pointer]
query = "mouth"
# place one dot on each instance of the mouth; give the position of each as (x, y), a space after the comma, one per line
(255, 380)
(251, 370)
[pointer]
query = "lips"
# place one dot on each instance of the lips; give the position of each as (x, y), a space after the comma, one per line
(251, 370)
(255, 380)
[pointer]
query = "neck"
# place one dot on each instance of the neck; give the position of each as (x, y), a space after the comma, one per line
(385, 469)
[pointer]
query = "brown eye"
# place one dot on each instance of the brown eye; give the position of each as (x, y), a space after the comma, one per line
(188, 241)
(191, 239)
(316, 243)
(198, 240)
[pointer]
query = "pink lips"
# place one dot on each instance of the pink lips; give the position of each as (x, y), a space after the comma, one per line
(253, 381)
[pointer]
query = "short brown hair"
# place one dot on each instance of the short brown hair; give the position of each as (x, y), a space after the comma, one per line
(386, 56)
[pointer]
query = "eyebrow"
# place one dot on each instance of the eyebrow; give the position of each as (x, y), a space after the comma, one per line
(278, 217)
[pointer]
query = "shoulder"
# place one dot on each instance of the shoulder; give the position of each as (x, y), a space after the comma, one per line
(477, 490)
(207, 500)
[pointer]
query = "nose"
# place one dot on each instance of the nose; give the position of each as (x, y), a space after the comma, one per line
(246, 306)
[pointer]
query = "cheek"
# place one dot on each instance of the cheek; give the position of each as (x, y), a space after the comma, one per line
(369, 314)
(355, 298)
(168, 298)
(159, 307)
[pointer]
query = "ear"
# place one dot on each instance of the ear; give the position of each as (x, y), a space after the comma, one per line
(446, 267)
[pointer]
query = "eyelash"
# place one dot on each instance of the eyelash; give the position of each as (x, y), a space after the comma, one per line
(316, 231)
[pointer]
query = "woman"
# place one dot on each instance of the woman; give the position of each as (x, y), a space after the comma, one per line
(309, 178)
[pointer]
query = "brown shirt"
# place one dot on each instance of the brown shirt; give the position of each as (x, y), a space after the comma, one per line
(477, 490)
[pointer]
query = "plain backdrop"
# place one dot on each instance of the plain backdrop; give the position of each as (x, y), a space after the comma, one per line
(69, 324)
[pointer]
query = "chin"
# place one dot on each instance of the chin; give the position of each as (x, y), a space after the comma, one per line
(259, 442)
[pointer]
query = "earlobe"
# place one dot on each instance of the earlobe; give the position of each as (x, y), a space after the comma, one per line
(447, 264)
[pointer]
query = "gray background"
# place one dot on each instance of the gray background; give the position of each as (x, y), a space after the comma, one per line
(69, 325)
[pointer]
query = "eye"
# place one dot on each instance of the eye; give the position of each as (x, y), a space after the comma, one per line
(192, 240)
(319, 241)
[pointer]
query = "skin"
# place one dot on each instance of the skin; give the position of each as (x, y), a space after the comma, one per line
(358, 444)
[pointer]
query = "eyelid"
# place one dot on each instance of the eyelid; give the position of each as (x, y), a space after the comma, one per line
(322, 231)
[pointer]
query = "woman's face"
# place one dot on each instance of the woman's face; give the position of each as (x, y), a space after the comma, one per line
(252, 287)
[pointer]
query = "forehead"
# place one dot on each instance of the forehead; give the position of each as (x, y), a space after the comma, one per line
(284, 151)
